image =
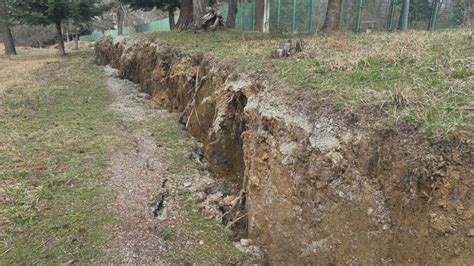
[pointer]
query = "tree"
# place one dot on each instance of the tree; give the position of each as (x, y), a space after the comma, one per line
(169, 6)
(186, 14)
(120, 18)
(199, 8)
(231, 14)
(104, 22)
(34, 36)
(45, 12)
(5, 30)
(333, 16)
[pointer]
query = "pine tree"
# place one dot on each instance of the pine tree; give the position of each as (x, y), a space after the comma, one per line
(46, 12)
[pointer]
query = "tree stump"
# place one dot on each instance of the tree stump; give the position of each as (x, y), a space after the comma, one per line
(288, 48)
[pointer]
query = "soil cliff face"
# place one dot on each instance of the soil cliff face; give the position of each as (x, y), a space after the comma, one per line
(315, 185)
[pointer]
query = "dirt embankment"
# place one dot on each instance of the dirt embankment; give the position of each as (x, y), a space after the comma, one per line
(316, 185)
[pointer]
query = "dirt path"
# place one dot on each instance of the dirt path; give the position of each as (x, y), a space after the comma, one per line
(166, 206)
(136, 174)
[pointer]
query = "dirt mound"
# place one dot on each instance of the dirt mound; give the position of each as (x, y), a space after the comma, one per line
(316, 185)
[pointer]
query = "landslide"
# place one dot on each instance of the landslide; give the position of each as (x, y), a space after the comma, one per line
(313, 183)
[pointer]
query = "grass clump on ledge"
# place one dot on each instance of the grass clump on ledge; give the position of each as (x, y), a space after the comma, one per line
(423, 77)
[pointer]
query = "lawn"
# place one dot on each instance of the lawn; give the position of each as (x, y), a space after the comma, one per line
(57, 133)
(422, 77)
(54, 139)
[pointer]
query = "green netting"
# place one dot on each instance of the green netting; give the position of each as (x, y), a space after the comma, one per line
(309, 15)
(96, 34)
(244, 19)
(376, 14)
(294, 15)
(159, 25)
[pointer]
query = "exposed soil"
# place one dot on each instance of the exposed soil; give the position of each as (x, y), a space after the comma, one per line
(316, 185)
(152, 220)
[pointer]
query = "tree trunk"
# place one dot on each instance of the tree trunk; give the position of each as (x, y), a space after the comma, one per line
(199, 8)
(171, 18)
(259, 14)
(62, 52)
(186, 14)
(119, 20)
(76, 41)
(6, 32)
(333, 16)
(231, 14)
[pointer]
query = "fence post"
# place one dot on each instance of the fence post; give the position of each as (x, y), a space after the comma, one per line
(434, 14)
(391, 11)
(405, 11)
(293, 23)
(243, 15)
(253, 16)
(278, 13)
(311, 15)
(359, 16)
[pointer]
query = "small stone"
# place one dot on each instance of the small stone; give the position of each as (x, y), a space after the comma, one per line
(199, 197)
(201, 242)
(433, 215)
(470, 232)
(320, 184)
(187, 184)
(370, 211)
(245, 242)
(385, 227)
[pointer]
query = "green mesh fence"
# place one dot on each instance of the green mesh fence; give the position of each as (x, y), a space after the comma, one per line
(294, 16)
(376, 15)
(159, 25)
(245, 15)
(356, 15)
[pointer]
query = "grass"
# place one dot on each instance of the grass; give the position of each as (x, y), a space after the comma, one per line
(422, 77)
(54, 139)
(191, 226)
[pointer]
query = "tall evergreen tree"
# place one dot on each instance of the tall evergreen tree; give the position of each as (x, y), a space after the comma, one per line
(5, 29)
(46, 12)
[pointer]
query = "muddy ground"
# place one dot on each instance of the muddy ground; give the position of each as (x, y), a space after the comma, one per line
(309, 183)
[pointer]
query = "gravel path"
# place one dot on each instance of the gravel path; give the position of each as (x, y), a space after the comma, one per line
(136, 177)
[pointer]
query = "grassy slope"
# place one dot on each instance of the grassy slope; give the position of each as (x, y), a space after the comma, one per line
(53, 143)
(422, 77)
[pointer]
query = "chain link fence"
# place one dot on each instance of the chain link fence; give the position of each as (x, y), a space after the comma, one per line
(303, 16)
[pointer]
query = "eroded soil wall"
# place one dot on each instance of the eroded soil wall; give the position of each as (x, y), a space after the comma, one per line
(321, 185)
